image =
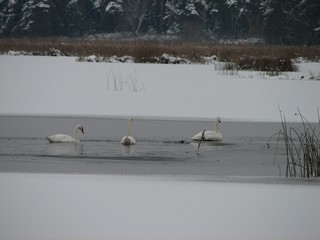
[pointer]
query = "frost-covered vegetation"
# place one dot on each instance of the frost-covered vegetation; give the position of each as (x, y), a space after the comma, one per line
(270, 21)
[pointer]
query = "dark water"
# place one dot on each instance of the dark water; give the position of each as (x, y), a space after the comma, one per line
(163, 148)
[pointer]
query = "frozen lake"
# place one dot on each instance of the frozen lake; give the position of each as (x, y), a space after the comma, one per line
(159, 188)
(163, 147)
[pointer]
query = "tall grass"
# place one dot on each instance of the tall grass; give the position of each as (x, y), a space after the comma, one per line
(151, 48)
(245, 56)
(302, 148)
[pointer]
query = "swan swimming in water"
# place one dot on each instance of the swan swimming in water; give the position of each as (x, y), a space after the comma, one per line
(214, 135)
(128, 140)
(63, 138)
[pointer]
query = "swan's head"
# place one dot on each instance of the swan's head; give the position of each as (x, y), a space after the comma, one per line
(218, 120)
(130, 119)
(81, 128)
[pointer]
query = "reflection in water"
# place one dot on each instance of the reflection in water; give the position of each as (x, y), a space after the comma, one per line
(235, 158)
(126, 150)
(65, 149)
(206, 146)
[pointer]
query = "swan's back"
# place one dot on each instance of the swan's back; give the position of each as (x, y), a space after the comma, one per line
(128, 140)
(61, 138)
(208, 136)
(213, 136)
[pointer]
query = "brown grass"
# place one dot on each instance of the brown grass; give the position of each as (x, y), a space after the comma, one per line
(144, 50)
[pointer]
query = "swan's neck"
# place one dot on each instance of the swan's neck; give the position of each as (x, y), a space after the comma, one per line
(76, 134)
(216, 126)
(129, 127)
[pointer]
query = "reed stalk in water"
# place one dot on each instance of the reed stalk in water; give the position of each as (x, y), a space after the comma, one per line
(302, 148)
(199, 144)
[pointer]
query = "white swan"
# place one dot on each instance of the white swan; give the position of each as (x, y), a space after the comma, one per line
(214, 135)
(128, 140)
(63, 138)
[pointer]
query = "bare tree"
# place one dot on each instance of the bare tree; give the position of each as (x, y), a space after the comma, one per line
(136, 11)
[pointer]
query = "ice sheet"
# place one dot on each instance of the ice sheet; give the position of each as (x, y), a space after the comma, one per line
(62, 86)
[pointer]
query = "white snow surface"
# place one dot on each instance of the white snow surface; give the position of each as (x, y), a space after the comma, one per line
(31, 85)
(53, 206)
(61, 207)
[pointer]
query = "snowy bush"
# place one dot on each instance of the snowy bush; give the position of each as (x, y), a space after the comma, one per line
(167, 58)
(55, 52)
(17, 53)
(122, 59)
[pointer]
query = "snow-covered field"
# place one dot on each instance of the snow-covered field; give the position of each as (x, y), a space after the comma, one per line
(56, 206)
(62, 86)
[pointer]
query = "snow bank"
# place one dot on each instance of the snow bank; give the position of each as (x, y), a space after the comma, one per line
(63, 86)
(42, 206)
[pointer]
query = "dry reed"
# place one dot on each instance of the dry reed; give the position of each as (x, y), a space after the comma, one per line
(245, 56)
(302, 148)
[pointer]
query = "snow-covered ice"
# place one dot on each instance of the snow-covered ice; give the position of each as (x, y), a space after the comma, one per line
(63, 86)
(41, 206)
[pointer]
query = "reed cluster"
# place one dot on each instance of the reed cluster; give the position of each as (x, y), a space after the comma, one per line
(302, 148)
(244, 56)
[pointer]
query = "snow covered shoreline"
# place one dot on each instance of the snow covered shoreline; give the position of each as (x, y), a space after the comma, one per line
(51, 206)
(50, 86)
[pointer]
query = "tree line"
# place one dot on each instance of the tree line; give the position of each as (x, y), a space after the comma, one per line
(274, 21)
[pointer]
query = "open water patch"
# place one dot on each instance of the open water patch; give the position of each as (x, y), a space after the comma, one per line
(163, 148)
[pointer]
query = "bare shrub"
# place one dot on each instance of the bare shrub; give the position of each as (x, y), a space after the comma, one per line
(267, 64)
(226, 68)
